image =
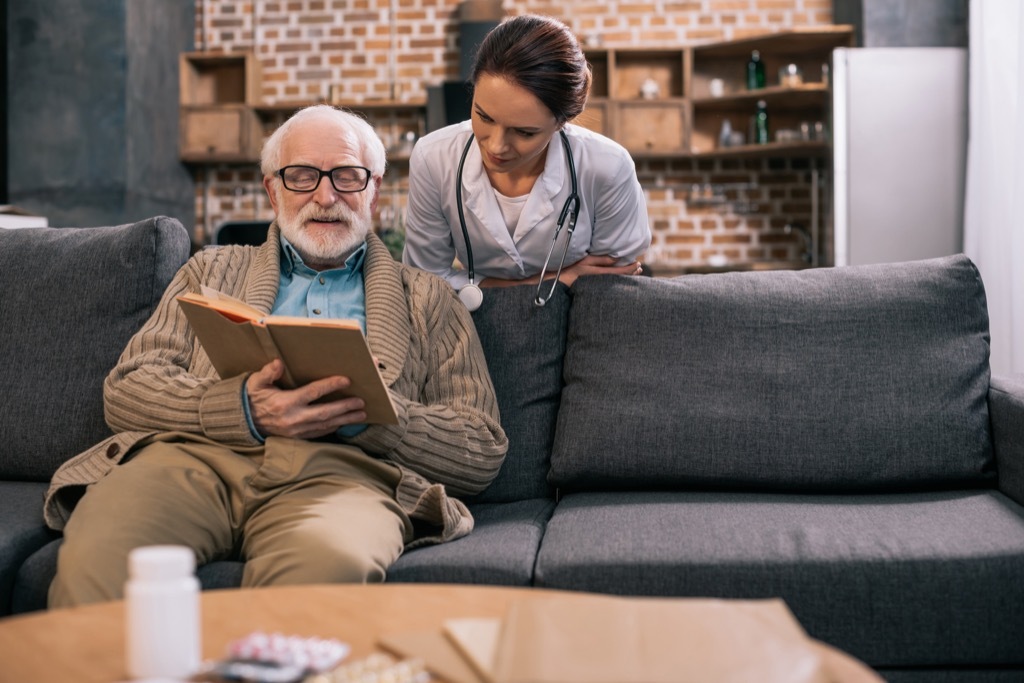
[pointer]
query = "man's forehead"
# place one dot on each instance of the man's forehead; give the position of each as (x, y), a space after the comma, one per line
(320, 136)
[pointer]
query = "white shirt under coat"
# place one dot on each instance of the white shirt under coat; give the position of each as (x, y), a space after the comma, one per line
(612, 217)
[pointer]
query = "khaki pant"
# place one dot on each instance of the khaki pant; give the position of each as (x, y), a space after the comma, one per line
(295, 511)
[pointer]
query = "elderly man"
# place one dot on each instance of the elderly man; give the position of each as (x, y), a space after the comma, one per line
(303, 491)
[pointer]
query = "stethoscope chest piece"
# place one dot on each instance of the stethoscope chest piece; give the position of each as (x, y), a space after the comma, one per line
(472, 296)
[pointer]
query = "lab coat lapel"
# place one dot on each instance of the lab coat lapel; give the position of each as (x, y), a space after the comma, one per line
(540, 207)
(482, 207)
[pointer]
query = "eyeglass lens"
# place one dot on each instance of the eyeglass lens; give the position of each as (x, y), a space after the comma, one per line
(343, 178)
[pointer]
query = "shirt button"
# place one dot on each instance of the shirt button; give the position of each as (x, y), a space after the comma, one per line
(112, 450)
(322, 279)
(316, 311)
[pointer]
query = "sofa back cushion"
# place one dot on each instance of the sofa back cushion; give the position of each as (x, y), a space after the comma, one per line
(857, 378)
(70, 298)
(524, 345)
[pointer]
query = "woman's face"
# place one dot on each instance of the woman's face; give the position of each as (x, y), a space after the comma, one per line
(512, 126)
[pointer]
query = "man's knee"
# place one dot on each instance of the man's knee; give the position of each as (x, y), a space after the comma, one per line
(324, 565)
(88, 574)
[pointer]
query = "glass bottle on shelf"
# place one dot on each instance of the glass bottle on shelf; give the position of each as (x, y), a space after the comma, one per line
(725, 134)
(755, 72)
(761, 123)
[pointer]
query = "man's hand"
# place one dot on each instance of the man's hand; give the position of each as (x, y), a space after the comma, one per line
(291, 413)
(596, 265)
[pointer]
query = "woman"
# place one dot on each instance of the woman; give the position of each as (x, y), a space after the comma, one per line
(507, 176)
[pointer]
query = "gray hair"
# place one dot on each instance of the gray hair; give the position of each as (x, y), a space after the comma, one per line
(370, 146)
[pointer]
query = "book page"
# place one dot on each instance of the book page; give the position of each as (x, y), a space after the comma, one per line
(234, 347)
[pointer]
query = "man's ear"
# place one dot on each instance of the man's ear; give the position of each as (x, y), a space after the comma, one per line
(268, 185)
(376, 194)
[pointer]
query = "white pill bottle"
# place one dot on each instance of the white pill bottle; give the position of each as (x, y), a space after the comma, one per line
(162, 628)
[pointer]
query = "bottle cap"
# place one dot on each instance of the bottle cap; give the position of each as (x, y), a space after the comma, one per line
(161, 562)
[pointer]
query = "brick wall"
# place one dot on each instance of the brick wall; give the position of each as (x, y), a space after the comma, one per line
(358, 50)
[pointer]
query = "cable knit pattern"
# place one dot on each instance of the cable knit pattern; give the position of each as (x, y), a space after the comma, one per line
(447, 440)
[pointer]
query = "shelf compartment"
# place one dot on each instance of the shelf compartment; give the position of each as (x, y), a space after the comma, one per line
(808, 48)
(631, 68)
(646, 127)
(707, 126)
(214, 78)
(599, 83)
(229, 133)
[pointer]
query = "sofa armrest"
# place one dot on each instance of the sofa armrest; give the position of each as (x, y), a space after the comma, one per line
(1006, 410)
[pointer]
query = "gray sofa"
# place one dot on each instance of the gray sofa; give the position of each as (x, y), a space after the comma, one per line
(828, 436)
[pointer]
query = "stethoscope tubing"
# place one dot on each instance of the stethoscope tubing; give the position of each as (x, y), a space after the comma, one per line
(571, 208)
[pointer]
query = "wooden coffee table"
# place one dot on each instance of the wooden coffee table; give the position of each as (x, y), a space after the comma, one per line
(86, 644)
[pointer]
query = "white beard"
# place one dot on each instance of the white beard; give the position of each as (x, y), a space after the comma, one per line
(326, 246)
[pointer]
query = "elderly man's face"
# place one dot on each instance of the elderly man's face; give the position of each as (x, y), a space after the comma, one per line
(325, 226)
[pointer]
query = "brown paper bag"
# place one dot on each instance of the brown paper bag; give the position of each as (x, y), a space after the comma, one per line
(604, 639)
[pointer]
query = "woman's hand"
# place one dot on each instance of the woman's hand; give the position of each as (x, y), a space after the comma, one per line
(596, 265)
(588, 265)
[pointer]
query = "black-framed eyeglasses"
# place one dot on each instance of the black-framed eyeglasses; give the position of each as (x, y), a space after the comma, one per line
(307, 178)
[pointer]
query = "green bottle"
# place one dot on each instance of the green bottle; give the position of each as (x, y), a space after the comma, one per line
(761, 123)
(755, 72)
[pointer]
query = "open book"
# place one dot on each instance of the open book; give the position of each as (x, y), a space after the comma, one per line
(238, 338)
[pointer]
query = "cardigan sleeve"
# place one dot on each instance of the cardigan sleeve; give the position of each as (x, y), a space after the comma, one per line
(448, 427)
(164, 382)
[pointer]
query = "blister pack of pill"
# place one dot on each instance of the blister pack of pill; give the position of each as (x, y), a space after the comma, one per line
(276, 658)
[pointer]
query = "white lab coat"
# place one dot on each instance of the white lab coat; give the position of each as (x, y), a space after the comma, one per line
(612, 218)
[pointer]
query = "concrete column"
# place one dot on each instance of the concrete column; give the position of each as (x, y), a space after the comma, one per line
(92, 93)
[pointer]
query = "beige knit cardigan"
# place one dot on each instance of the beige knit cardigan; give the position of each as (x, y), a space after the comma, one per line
(447, 441)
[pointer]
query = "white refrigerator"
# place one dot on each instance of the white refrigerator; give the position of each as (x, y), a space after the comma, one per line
(899, 149)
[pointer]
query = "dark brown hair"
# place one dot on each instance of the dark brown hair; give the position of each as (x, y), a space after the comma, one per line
(541, 55)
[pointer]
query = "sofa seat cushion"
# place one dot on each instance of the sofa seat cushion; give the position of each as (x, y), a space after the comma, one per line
(502, 549)
(524, 344)
(865, 378)
(73, 297)
(22, 531)
(907, 579)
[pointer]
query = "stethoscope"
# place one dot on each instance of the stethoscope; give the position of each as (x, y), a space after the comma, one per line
(471, 294)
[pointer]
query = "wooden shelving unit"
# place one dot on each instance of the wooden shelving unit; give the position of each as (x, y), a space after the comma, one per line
(683, 119)
(217, 93)
(801, 108)
(656, 102)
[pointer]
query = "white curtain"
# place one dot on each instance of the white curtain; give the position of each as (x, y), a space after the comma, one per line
(994, 204)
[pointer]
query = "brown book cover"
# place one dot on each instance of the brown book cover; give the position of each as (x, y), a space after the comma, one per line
(239, 338)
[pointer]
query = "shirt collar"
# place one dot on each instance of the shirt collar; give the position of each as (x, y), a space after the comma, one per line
(292, 261)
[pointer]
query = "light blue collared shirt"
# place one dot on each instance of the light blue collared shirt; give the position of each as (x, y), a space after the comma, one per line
(307, 293)
(334, 293)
